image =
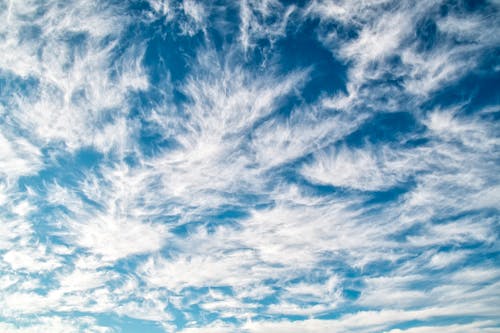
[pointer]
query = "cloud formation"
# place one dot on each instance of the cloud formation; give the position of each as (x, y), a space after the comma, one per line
(250, 166)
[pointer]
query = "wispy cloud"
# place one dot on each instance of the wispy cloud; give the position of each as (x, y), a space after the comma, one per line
(172, 165)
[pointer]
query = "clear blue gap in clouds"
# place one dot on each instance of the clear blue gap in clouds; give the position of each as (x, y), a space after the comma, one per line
(249, 166)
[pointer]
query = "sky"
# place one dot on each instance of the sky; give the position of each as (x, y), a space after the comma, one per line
(249, 166)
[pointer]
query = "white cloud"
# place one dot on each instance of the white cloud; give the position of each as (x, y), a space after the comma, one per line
(266, 19)
(366, 169)
(107, 238)
(197, 12)
(32, 259)
(18, 157)
(366, 321)
(216, 327)
(444, 259)
(57, 325)
(387, 30)
(116, 238)
(120, 225)
(82, 280)
(74, 82)
(201, 271)
(279, 142)
(483, 326)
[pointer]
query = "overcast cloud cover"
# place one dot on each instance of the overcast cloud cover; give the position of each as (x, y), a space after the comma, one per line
(249, 166)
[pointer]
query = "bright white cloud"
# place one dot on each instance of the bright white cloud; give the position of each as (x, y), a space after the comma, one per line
(166, 162)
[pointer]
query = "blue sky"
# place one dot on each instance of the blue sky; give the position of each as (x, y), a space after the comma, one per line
(249, 166)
